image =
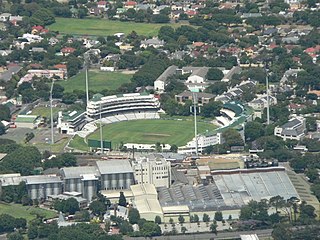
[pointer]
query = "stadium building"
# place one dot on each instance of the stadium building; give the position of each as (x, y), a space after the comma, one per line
(71, 122)
(123, 107)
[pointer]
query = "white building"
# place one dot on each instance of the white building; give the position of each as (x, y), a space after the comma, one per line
(153, 169)
(71, 122)
(294, 129)
(203, 142)
(260, 103)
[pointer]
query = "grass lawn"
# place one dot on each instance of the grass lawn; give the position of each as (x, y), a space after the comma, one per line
(78, 143)
(97, 81)
(45, 111)
(151, 131)
(57, 147)
(103, 27)
(27, 212)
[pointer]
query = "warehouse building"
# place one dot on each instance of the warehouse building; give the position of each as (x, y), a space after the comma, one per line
(115, 174)
(84, 180)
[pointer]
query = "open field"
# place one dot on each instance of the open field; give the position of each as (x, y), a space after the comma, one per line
(103, 27)
(27, 212)
(97, 81)
(151, 131)
(45, 111)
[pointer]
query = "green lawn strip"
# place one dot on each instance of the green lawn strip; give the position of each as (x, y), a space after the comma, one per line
(78, 143)
(151, 131)
(97, 81)
(104, 27)
(27, 212)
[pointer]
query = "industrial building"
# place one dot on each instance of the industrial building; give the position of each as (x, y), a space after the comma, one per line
(84, 180)
(38, 186)
(115, 174)
(152, 169)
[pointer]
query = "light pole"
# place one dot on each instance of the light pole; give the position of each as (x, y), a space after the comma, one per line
(51, 112)
(194, 110)
(101, 142)
(267, 87)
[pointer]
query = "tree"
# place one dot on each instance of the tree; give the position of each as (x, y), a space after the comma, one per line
(71, 205)
(122, 200)
(15, 236)
(69, 98)
(22, 160)
(43, 17)
(214, 74)
(217, 88)
(97, 207)
(281, 233)
(206, 218)
(4, 113)
(213, 228)
(218, 216)
(211, 109)
(277, 202)
(232, 137)
(183, 229)
(181, 219)
(253, 130)
(2, 129)
(134, 216)
(157, 220)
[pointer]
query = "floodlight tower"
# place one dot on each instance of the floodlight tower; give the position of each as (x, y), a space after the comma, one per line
(267, 87)
(194, 110)
(51, 112)
(101, 142)
(86, 66)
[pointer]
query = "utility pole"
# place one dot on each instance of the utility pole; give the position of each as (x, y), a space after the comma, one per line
(101, 142)
(51, 113)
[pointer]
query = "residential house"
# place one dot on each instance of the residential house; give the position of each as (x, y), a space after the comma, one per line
(130, 4)
(294, 129)
(102, 5)
(67, 50)
(4, 17)
(153, 42)
(202, 98)
(260, 103)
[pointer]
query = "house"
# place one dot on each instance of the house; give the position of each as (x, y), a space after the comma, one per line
(15, 19)
(260, 103)
(294, 129)
(130, 4)
(202, 98)
(4, 17)
(102, 5)
(198, 74)
(67, 50)
(153, 42)
(161, 82)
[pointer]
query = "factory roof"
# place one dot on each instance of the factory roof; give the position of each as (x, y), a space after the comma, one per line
(114, 166)
(41, 179)
(147, 205)
(79, 172)
(143, 189)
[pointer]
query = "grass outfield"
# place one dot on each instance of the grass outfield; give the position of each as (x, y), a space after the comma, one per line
(97, 81)
(151, 131)
(45, 111)
(103, 27)
(27, 212)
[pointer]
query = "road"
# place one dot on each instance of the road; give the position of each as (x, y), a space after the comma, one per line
(206, 236)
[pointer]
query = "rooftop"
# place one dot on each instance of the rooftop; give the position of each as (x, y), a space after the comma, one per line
(114, 166)
(79, 172)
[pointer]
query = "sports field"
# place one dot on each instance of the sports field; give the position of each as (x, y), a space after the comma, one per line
(103, 27)
(45, 111)
(27, 212)
(97, 81)
(151, 131)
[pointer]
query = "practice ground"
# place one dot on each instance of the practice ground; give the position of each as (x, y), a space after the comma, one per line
(45, 111)
(103, 27)
(147, 131)
(27, 212)
(97, 81)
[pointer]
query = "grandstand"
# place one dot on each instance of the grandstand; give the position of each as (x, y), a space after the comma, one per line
(229, 113)
(123, 107)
